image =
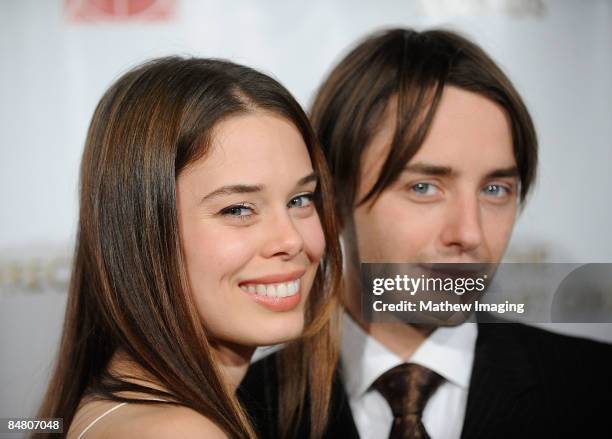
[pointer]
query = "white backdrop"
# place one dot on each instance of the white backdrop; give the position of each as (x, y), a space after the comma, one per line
(54, 69)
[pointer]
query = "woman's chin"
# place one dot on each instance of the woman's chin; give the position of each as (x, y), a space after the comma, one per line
(275, 331)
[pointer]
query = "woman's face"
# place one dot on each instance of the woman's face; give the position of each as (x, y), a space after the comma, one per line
(250, 232)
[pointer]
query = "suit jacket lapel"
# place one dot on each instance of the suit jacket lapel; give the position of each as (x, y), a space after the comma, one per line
(502, 384)
(341, 423)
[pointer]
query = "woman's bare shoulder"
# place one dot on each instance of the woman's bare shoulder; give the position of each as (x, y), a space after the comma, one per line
(166, 421)
(155, 421)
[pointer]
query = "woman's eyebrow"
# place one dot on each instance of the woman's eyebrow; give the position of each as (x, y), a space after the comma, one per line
(249, 189)
(307, 179)
(232, 189)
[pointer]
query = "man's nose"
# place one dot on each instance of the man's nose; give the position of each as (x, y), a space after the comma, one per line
(282, 236)
(463, 225)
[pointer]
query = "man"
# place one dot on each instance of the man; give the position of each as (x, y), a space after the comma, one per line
(433, 152)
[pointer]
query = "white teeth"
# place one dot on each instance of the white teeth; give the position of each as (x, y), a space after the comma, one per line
(281, 290)
(294, 287)
(273, 290)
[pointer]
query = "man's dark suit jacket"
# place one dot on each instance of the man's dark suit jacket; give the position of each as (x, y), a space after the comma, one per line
(526, 382)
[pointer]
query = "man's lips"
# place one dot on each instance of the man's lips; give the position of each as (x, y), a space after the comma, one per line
(454, 270)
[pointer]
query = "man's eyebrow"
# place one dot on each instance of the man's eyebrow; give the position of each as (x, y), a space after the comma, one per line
(442, 171)
(233, 189)
(512, 171)
(424, 168)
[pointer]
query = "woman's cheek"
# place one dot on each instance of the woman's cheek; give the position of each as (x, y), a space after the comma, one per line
(220, 253)
(314, 239)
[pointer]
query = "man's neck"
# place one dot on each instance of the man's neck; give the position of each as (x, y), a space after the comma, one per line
(399, 338)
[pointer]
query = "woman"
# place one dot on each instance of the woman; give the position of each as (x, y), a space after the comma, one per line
(205, 230)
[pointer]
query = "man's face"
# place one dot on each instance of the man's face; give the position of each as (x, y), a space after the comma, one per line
(456, 200)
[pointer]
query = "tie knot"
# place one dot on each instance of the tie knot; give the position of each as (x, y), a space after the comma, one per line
(407, 388)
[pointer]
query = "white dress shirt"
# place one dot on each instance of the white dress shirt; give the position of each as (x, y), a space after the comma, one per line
(447, 351)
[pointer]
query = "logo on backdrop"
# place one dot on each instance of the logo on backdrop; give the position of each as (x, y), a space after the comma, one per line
(92, 11)
(35, 269)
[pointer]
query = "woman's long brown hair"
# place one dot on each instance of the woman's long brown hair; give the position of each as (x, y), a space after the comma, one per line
(128, 291)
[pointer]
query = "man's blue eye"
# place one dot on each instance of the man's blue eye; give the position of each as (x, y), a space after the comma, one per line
(301, 201)
(496, 190)
(423, 188)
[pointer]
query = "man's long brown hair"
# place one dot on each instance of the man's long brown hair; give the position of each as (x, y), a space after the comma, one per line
(413, 67)
(129, 291)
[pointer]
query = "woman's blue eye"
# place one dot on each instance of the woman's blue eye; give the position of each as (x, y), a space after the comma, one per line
(423, 188)
(301, 201)
(237, 211)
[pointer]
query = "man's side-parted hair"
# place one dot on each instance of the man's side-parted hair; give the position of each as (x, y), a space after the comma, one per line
(414, 67)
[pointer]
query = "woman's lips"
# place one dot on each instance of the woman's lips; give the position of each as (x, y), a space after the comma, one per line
(275, 278)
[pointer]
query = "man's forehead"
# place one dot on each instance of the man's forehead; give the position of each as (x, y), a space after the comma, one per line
(469, 134)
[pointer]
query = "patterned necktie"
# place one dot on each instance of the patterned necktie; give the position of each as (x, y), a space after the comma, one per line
(407, 388)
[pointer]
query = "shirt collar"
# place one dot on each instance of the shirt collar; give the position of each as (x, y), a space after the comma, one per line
(449, 351)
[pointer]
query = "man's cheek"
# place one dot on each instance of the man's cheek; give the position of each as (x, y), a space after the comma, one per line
(498, 235)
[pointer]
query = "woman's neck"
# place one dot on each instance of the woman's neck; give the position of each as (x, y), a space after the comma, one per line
(233, 361)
